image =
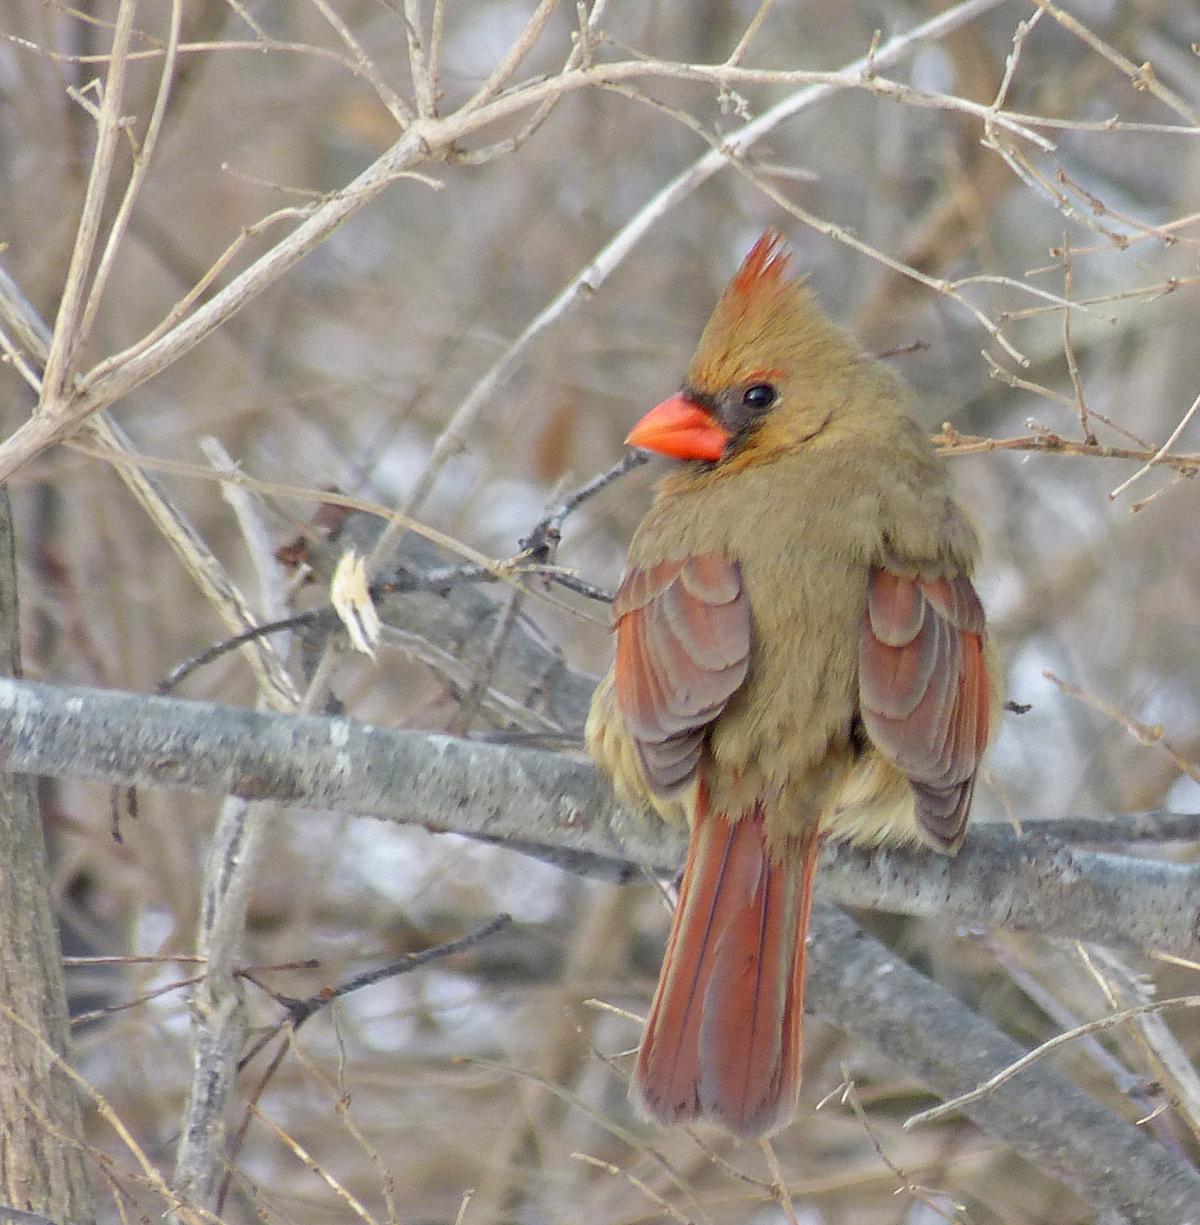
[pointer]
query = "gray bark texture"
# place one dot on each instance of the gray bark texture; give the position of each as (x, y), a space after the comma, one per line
(549, 804)
(41, 1170)
(863, 988)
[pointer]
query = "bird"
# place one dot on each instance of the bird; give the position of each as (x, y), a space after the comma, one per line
(800, 655)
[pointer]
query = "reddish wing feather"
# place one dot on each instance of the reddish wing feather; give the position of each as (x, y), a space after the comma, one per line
(683, 647)
(924, 690)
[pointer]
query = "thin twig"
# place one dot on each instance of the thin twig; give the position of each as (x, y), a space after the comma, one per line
(253, 1097)
(97, 1014)
(437, 26)
(581, 53)
(300, 1010)
(1161, 454)
(1143, 733)
(520, 47)
(1089, 438)
(271, 586)
(1173, 1070)
(340, 1101)
(1127, 1083)
(951, 442)
(588, 280)
(1160, 289)
(1016, 46)
(1141, 78)
(274, 489)
(542, 542)
(142, 158)
(485, 670)
(294, 1146)
(779, 1189)
(396, 106)
(180, 310)
(1040, 185)
(1172, 482)
(422, 78)
(653, 1196)
(748, 35)
(1096, 205)
(989, 1086)
(923, 1195)
(59, 373)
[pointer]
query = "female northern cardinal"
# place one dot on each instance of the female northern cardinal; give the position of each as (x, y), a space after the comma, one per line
(800, 654)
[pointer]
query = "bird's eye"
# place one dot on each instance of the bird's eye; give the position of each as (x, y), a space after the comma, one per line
(759, 396)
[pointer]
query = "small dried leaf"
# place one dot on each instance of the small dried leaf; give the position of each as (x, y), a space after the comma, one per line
(353, 603)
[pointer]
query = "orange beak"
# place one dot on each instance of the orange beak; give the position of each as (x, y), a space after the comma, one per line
(680, 430)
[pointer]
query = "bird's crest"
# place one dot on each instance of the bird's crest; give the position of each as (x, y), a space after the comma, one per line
(763, 269)
(765, 320)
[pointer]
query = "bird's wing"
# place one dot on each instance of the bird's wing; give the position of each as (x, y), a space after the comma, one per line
(683, 647)
(924, 691)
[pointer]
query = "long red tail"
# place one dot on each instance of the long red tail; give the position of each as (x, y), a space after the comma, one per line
(722, 1041)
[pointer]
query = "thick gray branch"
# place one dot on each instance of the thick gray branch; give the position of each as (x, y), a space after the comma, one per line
(549, 803)
(857, 983)
(1030, 884)
(42, 1167)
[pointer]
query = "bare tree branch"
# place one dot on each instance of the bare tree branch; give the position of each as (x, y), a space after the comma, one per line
(68, 334)
(210, 576)
(65, 406)
(540, 800)
(41, 1163)
(867, 990)
(612, 255)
